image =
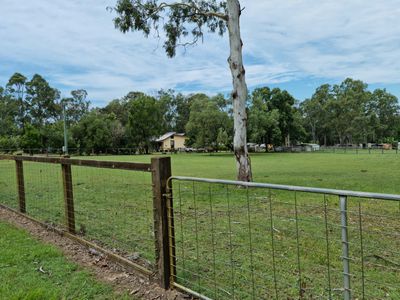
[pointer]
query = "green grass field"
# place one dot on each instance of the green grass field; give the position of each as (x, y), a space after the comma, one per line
(364, 172)
(240, 243)
(21, 256)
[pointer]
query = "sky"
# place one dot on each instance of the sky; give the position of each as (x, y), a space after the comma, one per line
(295, 45)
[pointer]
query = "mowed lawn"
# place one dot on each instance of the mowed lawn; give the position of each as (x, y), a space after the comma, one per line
(376, 172)
(238, 243)
(32, 270)
(263, 244)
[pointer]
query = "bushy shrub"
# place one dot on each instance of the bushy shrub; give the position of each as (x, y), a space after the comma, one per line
(9, 144)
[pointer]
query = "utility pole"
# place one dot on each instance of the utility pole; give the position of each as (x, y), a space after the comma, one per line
(65, 132)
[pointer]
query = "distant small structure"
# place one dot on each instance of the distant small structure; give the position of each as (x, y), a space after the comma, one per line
(387, 146)
(253, 147)
(310, 147)
(172, 141)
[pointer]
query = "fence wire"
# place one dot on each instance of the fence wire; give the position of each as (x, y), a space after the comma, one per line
(114, 209)
(235, 242)
(356, 150)
(44, 192)
(8, 184)
(133, 151)
(229, 240)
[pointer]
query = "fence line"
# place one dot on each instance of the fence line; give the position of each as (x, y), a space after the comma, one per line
(239, 240)
(358, 150)
(347, 193)
(119, 212)
(76, 151)
(216, 239)
(134, 151)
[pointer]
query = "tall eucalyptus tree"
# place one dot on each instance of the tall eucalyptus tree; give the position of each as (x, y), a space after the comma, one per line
(185, 21)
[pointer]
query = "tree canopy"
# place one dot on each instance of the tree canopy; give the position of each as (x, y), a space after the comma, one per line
(347, 113)
(184, 21)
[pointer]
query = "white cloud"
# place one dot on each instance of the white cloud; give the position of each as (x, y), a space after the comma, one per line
(331, 39)
(74, 44)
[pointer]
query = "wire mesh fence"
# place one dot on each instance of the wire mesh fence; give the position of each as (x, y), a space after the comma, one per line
(358, 150)
(214, 238)
(134, 151)
(8, 184)
(44, 192)
(107, 203)
(114, 208)
(239, 242)
(71, 151)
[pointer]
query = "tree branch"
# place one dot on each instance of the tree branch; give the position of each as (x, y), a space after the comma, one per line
(193, 6)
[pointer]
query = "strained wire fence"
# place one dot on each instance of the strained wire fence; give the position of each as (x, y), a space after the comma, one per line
(108, 205)
(236, 240)
(115, 209)
(42, 186)
(134, 151)
(77, 151)
(358, 150)
(216, 239)
(72, 151)
(8, 183)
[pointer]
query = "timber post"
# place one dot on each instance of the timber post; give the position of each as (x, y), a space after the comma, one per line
(68, 197)
(163, 220)
(19, 167)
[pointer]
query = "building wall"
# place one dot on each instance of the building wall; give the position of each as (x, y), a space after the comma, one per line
(179, 143)
(166, 144)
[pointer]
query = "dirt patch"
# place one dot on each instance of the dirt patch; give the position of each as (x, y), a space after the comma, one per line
(120, 277)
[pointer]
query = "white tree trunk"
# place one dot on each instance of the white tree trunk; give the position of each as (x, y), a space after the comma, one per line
(239, 94)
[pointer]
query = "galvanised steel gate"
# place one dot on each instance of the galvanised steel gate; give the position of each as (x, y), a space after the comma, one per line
(239, 240)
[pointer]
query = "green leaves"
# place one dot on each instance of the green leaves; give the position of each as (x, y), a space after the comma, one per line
(272, 116)
(184, 21)
(349, 113)
(93, 132)
(145, 121)
(41, 100)
(208, 125)
(76, 106)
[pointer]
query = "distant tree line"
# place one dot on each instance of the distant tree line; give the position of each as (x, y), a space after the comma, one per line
(31, 116)
(31, 113)
(348, 113)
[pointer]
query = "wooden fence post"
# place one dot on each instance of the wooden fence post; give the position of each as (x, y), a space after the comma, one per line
(68, 197)
(19, 166)
(163, 220)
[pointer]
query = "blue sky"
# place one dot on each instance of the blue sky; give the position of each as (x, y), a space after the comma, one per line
(295, 45)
